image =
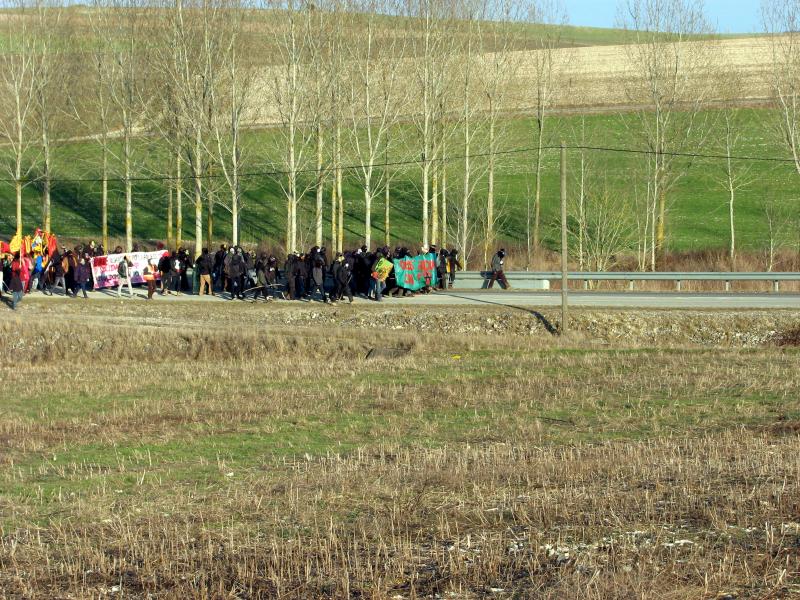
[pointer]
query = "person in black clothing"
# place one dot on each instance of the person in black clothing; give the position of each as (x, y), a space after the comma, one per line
(342, 272)
(300, 274)
(205, 266)
(164, 267)
(318, 278)
(186, 263)
(57, 265)
(262, 268)
(441, 269)
(455, 266)
(176, 268)
(219, 267)
(288, 269)
(236, 268)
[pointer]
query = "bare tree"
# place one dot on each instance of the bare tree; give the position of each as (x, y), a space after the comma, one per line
(781, 20)
(123, 41)
(18, 92)
(499, 67)
(547, 62)
(230, 105)
(290, 89)
(51, 34)
(734, 174)
(667, 81)
(432, 47)
(375, 97)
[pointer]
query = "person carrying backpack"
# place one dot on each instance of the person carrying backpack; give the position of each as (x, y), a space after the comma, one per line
(124, 276)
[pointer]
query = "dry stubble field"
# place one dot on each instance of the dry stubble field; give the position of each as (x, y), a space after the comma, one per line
(241, 451)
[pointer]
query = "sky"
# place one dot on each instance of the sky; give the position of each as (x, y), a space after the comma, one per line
(729, 16)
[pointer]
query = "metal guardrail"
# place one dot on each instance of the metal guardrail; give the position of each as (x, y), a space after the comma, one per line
(529, 279)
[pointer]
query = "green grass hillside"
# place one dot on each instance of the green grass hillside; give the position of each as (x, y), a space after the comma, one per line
(697, 220)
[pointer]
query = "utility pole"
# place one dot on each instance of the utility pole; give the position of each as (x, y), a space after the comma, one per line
(564, 275)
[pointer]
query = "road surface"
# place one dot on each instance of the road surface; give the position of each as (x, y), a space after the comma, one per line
(640, 300)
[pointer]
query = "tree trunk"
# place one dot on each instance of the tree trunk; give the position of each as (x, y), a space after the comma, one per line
(320, 187)
(18, 191)
(488, 246)
(444, 198)
(334, 234)
(387, 237)
(368, 212)
(104, 199)
(198, 195)
(339, 196)
(435, 203)
(178, 204)
(46, 181)
(731, 202)
(465, 199)
(128, 196)
(537, 198)
(169, 218)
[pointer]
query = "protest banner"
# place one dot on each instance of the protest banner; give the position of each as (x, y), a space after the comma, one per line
(104, 268)
(382, 268)
(417, 272)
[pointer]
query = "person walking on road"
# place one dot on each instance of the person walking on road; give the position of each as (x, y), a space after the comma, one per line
(150, 275)
(15, 285)
(205, 267)
(498, 274)
(83, 275)
(124, 276)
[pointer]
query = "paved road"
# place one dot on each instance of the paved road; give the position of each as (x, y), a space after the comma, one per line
(651, 300)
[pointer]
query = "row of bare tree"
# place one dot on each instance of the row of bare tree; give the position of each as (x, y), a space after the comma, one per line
(366, 90)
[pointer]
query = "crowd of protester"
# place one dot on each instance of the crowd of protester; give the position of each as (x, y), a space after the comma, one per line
(235, 273)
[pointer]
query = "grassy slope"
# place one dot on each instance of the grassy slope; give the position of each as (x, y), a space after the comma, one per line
(697, 219)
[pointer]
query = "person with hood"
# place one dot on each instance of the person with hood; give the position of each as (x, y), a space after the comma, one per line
(454, 266)
(235, 274)
(263, 286)
(442, 266)
(205, 266)
(57, 268)
(124, 276)
(288, 269)
(318, 278)
(83, 275)
(342, 272)
(498, 274)
(176, 268)
(164, 267)
(219, 267)
(185, 260)
(300, 274)
(272, 276)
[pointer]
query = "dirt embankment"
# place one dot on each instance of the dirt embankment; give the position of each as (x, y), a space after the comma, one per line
(232, 329)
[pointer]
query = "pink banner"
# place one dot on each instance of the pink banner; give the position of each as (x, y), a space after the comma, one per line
(105, 268)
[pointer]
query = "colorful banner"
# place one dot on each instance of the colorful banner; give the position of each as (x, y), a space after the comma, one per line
(105, 268)
(383, 268)
(416, 273)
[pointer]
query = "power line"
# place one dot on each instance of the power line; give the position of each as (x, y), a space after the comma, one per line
(401, 163)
